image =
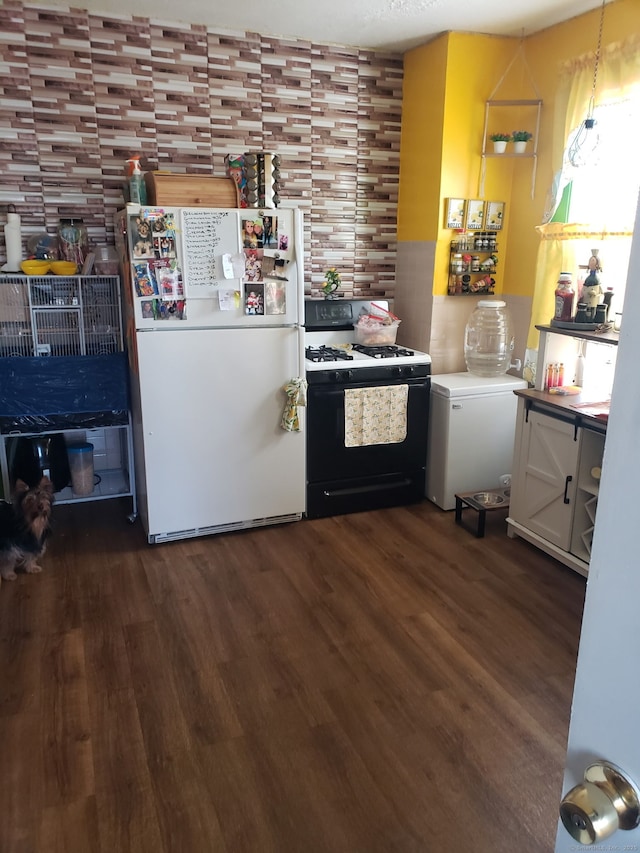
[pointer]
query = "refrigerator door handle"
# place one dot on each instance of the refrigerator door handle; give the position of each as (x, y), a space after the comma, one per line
(301, 351)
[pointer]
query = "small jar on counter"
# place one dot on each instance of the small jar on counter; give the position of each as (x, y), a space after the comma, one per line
(581, 313)
(601, 314)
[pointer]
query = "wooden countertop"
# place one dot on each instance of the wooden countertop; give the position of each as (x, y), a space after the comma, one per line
(586, 411)
(606, 335)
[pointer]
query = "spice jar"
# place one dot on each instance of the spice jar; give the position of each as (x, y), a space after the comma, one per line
(581, 313)
(564, 298)
(73, 242)
(601, 314)
(475, 263)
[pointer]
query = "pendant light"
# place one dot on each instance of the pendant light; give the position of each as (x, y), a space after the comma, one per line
(585, 141)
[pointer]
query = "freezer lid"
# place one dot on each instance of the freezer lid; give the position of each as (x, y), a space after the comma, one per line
(467, 384)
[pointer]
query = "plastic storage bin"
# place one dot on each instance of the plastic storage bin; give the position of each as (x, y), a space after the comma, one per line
(372, 334)
(81, 467)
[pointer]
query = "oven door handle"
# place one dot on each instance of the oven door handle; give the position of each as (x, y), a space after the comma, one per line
(334, 392)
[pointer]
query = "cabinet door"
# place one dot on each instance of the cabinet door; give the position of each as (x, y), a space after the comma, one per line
(544, 493)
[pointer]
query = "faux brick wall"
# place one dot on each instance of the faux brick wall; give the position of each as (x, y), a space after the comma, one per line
(80, 92)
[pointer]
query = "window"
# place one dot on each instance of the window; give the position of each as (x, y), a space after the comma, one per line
(602, 193)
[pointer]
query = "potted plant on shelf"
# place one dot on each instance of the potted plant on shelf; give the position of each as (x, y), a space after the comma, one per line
(520, 139)
(500, 142)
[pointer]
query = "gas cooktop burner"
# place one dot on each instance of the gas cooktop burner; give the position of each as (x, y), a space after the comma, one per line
(387, 351)
(325, 353)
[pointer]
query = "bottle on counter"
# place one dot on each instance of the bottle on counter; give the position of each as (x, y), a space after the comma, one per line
(137, 186)
(579, 375)
(13, 241)
(565, 294)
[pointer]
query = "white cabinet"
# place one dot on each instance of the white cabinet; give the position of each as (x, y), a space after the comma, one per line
(554, 486)
(560, 444)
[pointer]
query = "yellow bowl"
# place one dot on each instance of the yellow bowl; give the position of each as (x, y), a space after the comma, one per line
(34, 267)
(63, 268)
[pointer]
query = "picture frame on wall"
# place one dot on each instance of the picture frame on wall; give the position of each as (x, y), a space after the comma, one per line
(475, 215)
(454, 217)
(495, 216)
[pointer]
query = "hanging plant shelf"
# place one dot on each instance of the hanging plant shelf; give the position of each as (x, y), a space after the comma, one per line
(495, 104)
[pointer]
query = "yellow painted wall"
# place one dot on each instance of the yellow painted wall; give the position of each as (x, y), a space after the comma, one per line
(446, 85)
(421, 141)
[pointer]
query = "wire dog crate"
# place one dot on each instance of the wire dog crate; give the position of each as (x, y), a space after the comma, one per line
(60, 315)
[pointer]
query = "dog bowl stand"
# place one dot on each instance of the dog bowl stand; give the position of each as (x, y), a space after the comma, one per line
(482, 501)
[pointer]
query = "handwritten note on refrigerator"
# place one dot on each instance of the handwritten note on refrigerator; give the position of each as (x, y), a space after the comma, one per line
(207, 235)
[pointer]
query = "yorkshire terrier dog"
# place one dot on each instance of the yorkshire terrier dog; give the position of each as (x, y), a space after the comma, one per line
(24, 527)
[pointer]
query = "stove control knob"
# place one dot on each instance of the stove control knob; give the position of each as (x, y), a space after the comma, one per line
(348, 374)
(396, 371)
(334, 375)
(409, 371)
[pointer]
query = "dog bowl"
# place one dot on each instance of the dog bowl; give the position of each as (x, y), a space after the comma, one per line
(488, 498)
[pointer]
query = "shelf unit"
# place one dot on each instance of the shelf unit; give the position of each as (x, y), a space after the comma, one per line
(564, 345)
(112, 458)
(46, 321)
(532, 155)
(465, 283)
(586, 501)
(559, 517)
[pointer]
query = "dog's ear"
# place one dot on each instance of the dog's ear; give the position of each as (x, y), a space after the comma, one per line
(20, 487)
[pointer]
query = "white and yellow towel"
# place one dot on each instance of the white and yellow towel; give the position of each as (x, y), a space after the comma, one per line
(296, 391)
(375, 415)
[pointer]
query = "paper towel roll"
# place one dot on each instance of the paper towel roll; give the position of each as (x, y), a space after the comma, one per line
(13, 243)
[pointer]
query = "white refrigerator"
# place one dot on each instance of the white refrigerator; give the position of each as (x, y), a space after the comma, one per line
(214, 326)
(472, 425)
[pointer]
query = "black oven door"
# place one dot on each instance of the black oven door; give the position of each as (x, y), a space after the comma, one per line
(344, 479)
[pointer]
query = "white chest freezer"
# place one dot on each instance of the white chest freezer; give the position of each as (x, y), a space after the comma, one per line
(472, 424)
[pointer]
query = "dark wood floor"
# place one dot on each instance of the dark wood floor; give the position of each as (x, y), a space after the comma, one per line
(373, 682)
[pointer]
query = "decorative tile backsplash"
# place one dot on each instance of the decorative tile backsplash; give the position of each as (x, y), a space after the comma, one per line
(81, 92)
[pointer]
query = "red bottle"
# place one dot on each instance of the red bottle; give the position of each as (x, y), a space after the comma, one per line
(565, 295)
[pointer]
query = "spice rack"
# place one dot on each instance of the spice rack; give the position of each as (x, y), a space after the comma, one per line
(472, 264)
